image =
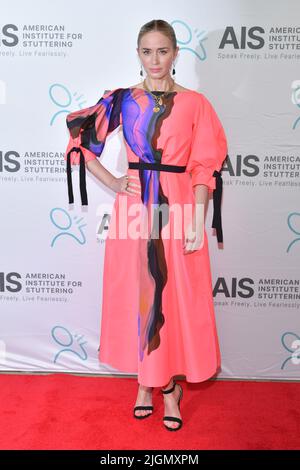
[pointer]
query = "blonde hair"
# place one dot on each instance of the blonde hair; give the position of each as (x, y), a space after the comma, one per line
(158, 25)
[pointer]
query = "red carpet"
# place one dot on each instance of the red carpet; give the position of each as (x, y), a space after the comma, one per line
(62, 411)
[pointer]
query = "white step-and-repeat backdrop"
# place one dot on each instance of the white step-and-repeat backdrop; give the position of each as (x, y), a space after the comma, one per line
(60, 56)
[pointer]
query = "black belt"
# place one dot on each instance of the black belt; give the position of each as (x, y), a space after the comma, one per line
(157, 166)
(217, 193)
(82, 182)
(217, 199)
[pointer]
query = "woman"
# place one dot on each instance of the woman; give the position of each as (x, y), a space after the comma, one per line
(157, 311)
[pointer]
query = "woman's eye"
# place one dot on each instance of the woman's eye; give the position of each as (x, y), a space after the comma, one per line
(163, 52)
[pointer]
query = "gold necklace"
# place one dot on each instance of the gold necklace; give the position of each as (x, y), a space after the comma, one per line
(158, 99)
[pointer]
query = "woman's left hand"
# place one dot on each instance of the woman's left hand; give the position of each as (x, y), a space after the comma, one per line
(194, 233)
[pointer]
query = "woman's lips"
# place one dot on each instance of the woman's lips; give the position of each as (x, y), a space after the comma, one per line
(155, 70)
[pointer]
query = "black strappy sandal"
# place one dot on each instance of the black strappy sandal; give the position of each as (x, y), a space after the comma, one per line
(173, 418)
(141, 407)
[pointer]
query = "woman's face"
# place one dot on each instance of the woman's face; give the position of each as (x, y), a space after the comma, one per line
(156, 54)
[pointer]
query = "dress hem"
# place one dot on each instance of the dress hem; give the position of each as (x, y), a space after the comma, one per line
(187, 378)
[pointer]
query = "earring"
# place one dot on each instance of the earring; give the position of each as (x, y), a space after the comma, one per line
(173, 71)
(141, 71)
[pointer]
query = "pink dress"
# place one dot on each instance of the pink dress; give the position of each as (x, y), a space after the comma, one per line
(158, 316)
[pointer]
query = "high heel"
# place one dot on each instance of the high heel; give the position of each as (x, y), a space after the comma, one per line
(173, 418)
(142, 407)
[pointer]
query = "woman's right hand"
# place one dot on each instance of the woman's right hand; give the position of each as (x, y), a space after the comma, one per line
(126, 184)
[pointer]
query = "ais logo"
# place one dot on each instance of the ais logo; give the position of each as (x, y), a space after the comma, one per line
(244, 38)
(9, 161)
(236, 288)
(7, 36)
(9, 282)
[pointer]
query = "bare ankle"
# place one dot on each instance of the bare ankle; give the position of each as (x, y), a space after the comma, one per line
(169, 385)
(144, 388)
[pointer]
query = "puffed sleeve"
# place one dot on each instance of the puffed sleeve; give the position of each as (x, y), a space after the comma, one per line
(88, 129)
(207, 154)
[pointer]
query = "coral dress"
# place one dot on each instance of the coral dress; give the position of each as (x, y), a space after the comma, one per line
(158, 316)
